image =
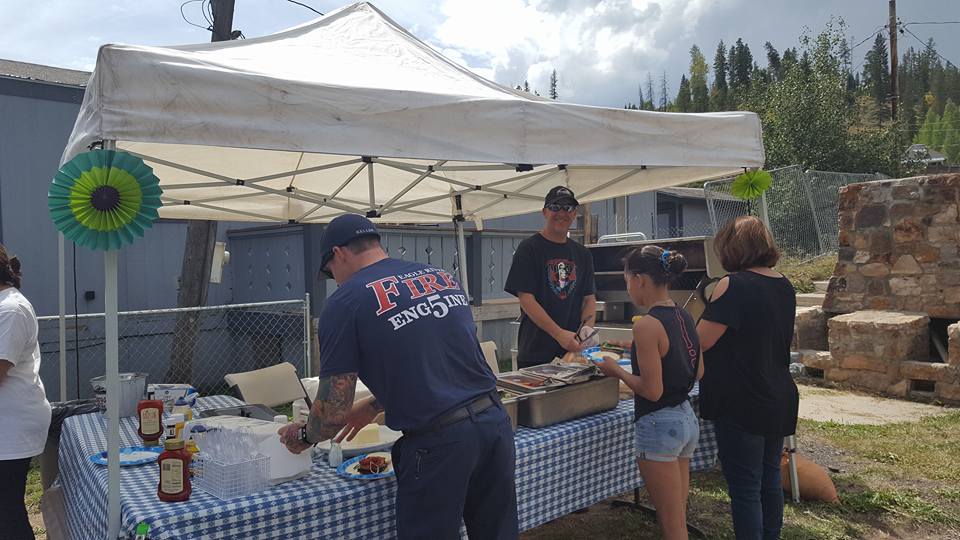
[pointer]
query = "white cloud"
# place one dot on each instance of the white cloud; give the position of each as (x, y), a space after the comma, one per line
(601, 49)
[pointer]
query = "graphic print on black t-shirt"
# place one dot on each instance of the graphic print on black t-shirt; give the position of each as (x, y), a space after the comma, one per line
(562, 277)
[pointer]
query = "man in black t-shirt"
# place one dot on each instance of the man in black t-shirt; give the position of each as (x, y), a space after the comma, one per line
(552, 276)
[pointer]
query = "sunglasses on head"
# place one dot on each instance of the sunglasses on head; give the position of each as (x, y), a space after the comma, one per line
(554, 207)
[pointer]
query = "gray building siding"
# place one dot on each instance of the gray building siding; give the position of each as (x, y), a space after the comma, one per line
(32, 137)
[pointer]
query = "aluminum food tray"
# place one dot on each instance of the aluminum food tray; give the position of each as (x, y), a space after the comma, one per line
(569, 402)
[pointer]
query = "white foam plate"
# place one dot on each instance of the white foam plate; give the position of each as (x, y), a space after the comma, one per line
(351, 448)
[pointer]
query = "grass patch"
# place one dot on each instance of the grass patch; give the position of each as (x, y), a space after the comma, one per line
(907, 504)
(803, 274)
(912, 449)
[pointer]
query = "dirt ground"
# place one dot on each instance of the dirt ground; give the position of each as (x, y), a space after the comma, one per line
(851, 407)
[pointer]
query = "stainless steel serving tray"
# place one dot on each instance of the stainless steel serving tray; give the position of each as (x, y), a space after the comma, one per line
(569, 402)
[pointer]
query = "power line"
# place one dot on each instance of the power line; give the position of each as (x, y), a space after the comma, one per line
(931, 22)
(207, 9)
(306, 6)
(188, 21)
(929, 48)
(872, 34)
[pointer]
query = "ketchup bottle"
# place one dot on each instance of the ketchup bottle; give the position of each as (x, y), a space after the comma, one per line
(174, 464)
(150, 411)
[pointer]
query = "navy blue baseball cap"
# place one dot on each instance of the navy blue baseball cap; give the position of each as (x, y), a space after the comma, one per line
(341, 231)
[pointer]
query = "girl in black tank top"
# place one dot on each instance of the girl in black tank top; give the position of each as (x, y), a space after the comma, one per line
(665, 361)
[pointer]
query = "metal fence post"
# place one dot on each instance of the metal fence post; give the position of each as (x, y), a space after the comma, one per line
(807, 179)
(308, 363)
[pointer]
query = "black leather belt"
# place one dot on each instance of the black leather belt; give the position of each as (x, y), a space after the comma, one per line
(474, 407)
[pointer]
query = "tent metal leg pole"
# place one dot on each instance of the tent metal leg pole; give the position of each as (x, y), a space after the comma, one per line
(113, 393)
(462, 256)
(62, 282)
(792, 464)
(111, 346)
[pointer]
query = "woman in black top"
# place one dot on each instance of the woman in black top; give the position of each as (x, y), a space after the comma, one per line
(747, 389)
(665, 363)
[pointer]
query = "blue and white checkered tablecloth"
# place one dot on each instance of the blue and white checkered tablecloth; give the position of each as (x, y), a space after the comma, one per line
(560, 469)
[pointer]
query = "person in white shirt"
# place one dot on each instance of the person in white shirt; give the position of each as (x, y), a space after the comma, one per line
(24, 410)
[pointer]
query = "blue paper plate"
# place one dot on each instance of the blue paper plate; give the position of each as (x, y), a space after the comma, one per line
(348, 469)
(131, 455)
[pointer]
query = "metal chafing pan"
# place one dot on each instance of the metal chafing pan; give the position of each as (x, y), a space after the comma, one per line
(569, 402)
(510, 401)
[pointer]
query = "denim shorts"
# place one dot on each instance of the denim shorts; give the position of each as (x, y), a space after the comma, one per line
(667, 434)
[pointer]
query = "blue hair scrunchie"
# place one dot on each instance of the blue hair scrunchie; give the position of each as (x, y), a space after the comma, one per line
(665, 259)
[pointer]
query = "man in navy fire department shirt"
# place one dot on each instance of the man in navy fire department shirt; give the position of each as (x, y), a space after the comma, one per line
(407, 331)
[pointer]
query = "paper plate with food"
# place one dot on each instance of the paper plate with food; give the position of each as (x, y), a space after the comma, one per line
(367, 467)
(371, 438)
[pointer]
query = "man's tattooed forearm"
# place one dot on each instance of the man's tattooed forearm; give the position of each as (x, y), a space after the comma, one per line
(330, 409)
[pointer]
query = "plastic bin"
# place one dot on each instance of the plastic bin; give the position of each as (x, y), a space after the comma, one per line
(229, 480)
(132, 388)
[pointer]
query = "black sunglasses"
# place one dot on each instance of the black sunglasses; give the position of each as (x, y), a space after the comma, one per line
(553, 207)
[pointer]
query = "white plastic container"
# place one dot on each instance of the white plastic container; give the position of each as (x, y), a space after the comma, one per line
(284, 465)
(132, 387)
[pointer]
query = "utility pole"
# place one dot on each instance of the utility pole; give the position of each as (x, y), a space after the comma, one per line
(198, 248)
(893, 60)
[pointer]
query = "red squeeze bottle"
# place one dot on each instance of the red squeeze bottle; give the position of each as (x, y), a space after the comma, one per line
(174, 464)
(150, 413)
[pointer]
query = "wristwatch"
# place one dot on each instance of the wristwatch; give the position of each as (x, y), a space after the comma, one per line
(303, 436)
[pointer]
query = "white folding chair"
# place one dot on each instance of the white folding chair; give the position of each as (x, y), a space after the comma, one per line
(489, 349)
(270, 386)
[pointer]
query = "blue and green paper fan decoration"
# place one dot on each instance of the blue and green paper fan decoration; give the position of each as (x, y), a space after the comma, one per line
(104, 199)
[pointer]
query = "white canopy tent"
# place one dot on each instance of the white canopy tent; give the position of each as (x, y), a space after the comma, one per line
(351, 113)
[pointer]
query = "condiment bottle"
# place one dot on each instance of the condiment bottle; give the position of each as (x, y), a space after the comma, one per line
(300, 411)
(191, 447)
(150, 411)
(174, 485)
(181, 407)
(173, 426)
(143, 529)
(335, 457)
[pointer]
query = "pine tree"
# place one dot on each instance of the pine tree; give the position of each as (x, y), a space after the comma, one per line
(774, 64)
(876, 75)
(925, 135)
(640, 94)
(553, 85)
(649, 105)
(788, 61)
(526, 87)
(683, 101)
(951, 146)
(741, 64)
(718, 95)
(949, 123)
(698, 81)
(663, 92)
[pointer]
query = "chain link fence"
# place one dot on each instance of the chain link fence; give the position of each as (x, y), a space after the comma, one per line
(800, 207)
(194, 345)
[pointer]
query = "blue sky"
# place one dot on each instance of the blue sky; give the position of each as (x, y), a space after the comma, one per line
(602, 49)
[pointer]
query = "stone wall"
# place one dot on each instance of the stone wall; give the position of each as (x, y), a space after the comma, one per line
(810, 329)
(887, 352)
(899, 247)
